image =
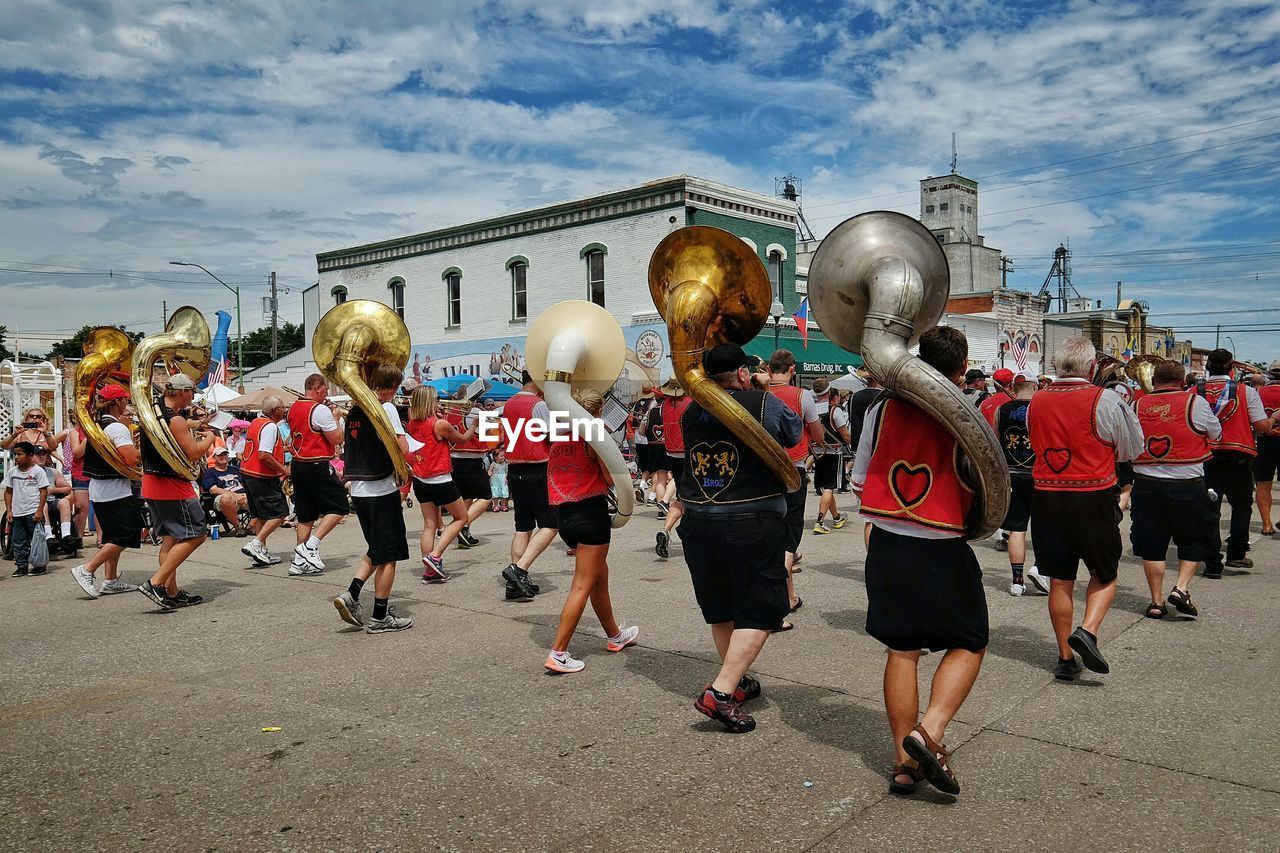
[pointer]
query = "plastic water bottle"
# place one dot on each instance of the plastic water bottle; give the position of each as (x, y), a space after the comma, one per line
(214, 531)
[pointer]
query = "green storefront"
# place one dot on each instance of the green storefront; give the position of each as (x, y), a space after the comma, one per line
(820, 358)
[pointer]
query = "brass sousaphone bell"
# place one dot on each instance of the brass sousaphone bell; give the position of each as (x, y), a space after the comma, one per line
(1142, 368)
(183, 346)
(107, 351)
(711, 288)
(352, 339)
(878, 282)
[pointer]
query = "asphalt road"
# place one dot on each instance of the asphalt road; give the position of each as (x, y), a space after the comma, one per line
(124, 728)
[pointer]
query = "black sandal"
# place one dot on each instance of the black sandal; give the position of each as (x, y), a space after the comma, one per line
(1158, 611)
(903, 788)
(1181, 599)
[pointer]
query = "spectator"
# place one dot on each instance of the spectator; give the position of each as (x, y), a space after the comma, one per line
(498, 480)
(59, 501)
(79, 479)
(26, 488)
(223, 482)
(236, 441)
(34, 428)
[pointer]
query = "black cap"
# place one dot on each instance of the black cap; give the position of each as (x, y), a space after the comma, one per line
(974, 375)
(1221, 357)
(725, 358)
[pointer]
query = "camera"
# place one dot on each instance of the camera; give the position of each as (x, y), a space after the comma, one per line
(30, 425)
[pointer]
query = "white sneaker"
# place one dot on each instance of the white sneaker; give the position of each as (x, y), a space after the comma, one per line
(626, 636)
(114, 586)
(309, 555)
(256, 552)
(1016, 589)
(565, 664)
(85, 579)
(272, 559)
(1038, 582)
(298, 567)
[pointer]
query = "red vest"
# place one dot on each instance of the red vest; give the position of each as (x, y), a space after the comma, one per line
(471, 445)
(1069, 457)
(251, 465)
(1237, 429)
(790, 395)
(987, 408)
(1270, 395)
(1169, 437)
(673, 409)
(913, 474)
(517, 410)
(432, 459)
(309, 444)
(572, 475)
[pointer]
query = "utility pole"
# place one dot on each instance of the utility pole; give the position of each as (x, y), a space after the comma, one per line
(164, 310)
(274, 316)
(1006, 267)
(1217, 338)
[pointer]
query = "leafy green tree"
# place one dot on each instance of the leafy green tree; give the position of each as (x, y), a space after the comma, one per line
(73, 347)
(5, 352)
(257, 344)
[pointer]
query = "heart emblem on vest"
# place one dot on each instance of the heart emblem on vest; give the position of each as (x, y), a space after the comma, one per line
(713, 467)
(910, 484)
(1057, 458)
(1158, 446)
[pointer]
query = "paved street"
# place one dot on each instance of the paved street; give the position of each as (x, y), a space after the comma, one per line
(123, 728)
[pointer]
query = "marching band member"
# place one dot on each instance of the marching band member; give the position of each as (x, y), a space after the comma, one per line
(829, 465)
(1004, 379)
(1074, 516)
(578, 486)
(433, 483)
(319, 499)
(658, 459)
(1170, 500)
(1010, 422)
(263, 470)
(674, 404)
(1267, 463)
(469, 475)
(527, 479)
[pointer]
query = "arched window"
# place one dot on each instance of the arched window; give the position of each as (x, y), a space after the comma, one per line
(339, 294)
(453, 296)
(775, 273)
(519, 266)
(594, 254)
(396, 286)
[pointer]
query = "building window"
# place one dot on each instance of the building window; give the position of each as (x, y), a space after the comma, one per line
(453, 297)
(519, 267)
(928, 208)
(396, 286)
(595, 277)
(944, 206)
(339, 295)
(775, 274)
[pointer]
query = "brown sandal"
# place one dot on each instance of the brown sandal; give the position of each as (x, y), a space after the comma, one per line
(896, 787)
(932, 758)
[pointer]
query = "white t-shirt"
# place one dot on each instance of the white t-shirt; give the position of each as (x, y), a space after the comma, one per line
(322, 419)
(105, 491)
(26, 487)
(387, 485)
(1203, 419)
(268, 437)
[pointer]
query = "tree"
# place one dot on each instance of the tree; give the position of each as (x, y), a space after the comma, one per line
(257, 344)
(5, 352)
(73, 347)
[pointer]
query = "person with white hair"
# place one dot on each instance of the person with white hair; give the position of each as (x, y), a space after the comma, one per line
(263, 470)
(1078, 432)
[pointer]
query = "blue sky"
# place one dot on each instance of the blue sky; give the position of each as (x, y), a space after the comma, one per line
(248, 137)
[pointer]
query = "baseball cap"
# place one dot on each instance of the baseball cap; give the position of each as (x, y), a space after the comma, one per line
(222, 451)
(1025, 376)
(821, 385)
(1274, 367)
(973, 374)
(110, 393)
(1004, 376)
(179, 382)
(725, 358)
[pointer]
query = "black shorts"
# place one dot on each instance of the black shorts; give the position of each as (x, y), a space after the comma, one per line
(470, 478)
(641, 452)
(795, 512)
(675, 464)
(737, 564)
(1068, 527)
(266, 498)
(924, 593)
(181, 519)
(658, 457)
(827, 469)
(1267, 463)
(317, 491)
(1019, 514)
(120, 521)
(1172, 509)
(585, 522)
(440, 494)
(382, 523)
(527, 482)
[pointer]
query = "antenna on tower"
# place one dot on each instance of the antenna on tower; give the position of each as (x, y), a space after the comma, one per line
(1060, 273)
(790, 188)
(953, 152)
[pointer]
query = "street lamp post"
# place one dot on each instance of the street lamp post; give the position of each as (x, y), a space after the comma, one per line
(239, 336)
(777, 310)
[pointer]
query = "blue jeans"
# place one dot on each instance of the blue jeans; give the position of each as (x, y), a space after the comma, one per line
(23, 528)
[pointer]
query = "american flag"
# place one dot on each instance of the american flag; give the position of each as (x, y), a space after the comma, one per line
(218, 373)
(1020, 352)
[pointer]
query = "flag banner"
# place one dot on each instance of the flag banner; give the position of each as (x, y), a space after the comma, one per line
(802, 321)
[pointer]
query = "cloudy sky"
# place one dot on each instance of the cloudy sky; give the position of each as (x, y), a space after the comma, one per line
(249, 136)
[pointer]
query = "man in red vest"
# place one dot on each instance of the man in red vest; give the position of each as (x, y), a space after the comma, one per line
(319, 498)
(1268, 461)
(1229, 473)
(673, 404)
(527, 481)
(1004, 383)
(263, 470)
(1078, 432)
(782, 374)
(1170, 500)
(924, 584)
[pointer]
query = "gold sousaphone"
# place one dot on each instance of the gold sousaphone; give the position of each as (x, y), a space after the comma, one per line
(711, 288)
(1141, 369)
(184, 348)
(107, 351)
(351, 340)
(878, 282)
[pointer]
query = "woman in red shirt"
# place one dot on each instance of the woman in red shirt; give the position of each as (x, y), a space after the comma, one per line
(578, 488)
(433, 484)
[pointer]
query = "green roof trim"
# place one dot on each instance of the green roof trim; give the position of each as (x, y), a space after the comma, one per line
(593, 247)
(444, 276)
(517, 259)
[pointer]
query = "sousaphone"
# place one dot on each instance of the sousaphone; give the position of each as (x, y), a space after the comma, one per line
(1142, 368)
(108, 352)
(878, 282)
(183, 347)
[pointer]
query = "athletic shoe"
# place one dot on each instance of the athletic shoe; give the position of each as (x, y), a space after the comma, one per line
(310, 556)
(466, 540)
(390, 623)
(112, 587)
(748, 688)
(37, 570)
(272, 559)
(1002, 544)
(433, 569)
(1067, 670)
(626, 636)
(662, 513)
(257, 552)
(71, 544)
(564, 665)
(349, 609)
(661, 547)
(840, 521)
(1242, 563)
(514, 593)
(299, 567)
(513, 574)
(85, 579)
(1086, 645)
(1038, 582)
(728, 713)
(819, 528)
(1017, 589)
(157, 595)
(186, 599)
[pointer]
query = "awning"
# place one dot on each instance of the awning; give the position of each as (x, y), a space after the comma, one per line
(820, 358)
